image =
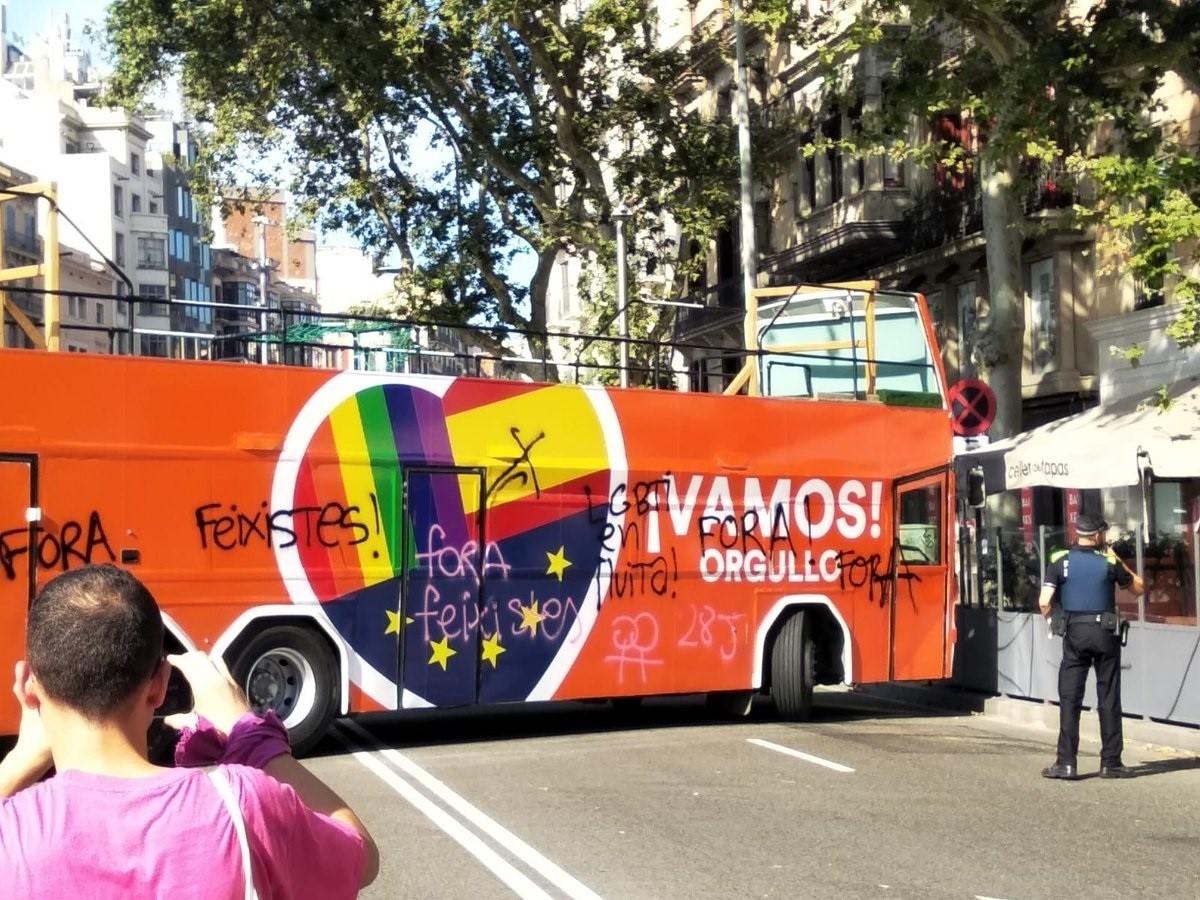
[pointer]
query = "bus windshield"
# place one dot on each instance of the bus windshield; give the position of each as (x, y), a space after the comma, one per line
(847, 344)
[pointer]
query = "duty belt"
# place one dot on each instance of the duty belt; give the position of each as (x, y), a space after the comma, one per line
(1084, 617)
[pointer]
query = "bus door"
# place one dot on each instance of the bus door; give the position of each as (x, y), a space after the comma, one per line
(442, 586)
(18, 567)
(920, 572)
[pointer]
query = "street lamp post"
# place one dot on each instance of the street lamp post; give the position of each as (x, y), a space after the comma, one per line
(620, 216)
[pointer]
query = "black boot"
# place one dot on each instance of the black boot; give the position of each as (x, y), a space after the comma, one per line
(1063, 771)
(1116, 770)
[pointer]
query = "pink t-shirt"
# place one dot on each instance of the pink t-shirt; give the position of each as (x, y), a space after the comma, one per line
(170, 836)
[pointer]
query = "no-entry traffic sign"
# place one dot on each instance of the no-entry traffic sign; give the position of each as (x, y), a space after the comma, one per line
(972, 406)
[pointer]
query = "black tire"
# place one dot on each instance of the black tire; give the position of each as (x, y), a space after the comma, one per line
(793, 669)
(298, 678)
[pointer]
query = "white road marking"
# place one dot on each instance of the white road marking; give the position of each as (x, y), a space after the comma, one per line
(799, 754)
(981, 897)
(517, 880)
(549, 870)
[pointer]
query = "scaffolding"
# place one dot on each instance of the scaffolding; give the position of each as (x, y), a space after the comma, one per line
(49, 336)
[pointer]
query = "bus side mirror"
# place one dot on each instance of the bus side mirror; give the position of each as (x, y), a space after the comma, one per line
(976, 495)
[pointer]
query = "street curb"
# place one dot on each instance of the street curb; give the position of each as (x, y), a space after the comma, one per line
(1036, 714)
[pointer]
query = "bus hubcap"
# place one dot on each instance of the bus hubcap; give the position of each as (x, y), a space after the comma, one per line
(281, 680)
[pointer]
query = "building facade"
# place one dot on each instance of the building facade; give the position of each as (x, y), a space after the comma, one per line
(184, 253)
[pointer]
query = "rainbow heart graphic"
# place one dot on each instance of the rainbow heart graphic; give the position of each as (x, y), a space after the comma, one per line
(453, 530)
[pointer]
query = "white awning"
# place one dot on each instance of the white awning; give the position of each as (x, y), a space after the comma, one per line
(1107, 446)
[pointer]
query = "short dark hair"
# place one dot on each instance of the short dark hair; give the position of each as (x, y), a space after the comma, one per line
(95, 635)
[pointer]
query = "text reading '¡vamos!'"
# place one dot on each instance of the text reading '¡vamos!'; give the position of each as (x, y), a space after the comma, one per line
(748, 529)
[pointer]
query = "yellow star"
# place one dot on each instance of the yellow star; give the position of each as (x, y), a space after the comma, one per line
(558, 562)
(530, 617)
(491, 649)
(393, 626)
(442, 651)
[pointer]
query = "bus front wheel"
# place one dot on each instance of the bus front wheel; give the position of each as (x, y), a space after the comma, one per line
(290, 670)
(793, 669)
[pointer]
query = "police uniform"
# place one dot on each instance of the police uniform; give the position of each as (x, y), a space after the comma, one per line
(1085, 579)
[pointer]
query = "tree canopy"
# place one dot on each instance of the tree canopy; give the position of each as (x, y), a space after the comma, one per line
(454, 136)
(1044, 81)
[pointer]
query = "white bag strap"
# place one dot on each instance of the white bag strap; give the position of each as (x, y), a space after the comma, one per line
(221, 783)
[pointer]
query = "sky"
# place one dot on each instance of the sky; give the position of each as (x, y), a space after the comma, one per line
(29, 17)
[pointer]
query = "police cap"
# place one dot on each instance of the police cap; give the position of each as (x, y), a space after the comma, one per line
(1088, 524)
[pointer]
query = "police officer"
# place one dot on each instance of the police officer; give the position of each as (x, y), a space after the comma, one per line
(1084, 578)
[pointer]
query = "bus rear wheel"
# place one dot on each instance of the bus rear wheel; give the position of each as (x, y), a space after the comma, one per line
(290, 670)
(793, 669)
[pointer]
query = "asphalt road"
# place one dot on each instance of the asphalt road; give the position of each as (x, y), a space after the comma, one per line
(870, 799)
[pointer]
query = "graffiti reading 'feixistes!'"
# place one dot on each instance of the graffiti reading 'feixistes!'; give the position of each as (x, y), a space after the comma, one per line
(328, 525)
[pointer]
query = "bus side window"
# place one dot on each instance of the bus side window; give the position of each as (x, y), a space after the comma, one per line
(920, 525)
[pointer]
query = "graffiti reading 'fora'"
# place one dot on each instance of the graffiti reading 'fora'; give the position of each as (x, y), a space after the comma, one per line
(858, 571)
(330, 525)
(446, 560)
(71, 544)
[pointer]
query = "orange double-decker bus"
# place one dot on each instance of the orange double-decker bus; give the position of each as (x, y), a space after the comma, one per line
(359, 541)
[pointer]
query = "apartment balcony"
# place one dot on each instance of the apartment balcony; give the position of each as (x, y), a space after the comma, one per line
(850, 234)
(152, 223)
(941, 216)
(1049, 189)
(22, 242)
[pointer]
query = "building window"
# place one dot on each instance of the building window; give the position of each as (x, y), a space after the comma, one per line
(834, 158)
(153, 345)
(152, 253)
(1043, 316)
(135, 164)
(810, 174)
(968, 312)
(893, 171)
(135, 202)
(154, 207)
(179, 201)
(118, 201)
(147, 308)
(119, 249)
(99, 313)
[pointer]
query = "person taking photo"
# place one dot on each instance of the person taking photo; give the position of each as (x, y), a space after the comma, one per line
(111, 824)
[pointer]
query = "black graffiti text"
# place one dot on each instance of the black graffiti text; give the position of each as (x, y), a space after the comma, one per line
(329, 525)
(72, 544)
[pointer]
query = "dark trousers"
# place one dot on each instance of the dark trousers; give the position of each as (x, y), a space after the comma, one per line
(1087, 645)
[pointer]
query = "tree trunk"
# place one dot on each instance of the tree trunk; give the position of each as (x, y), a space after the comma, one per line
(1002, 343)
(538, 288)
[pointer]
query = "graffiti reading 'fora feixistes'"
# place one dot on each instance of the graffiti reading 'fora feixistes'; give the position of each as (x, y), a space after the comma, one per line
(70, 545)
(328, 525)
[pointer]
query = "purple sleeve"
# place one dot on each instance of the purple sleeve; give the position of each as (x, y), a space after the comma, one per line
(295, 851)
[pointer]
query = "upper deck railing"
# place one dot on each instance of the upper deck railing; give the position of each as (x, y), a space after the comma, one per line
(814, 341)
